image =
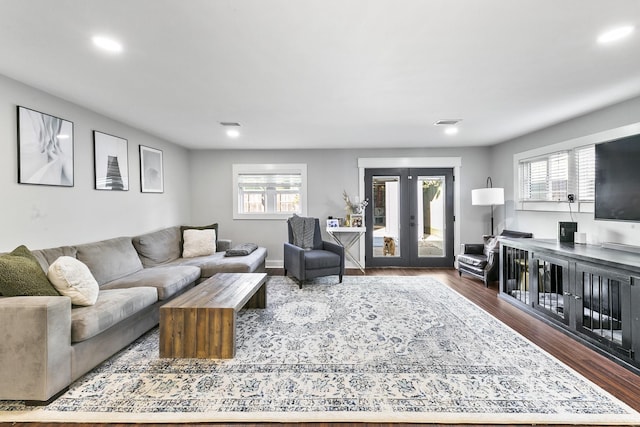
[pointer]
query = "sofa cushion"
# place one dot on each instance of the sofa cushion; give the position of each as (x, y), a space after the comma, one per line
(198, 243)
(318, 259)
(72, 278)
(110, 259)
(112, 306)
(21, 275)
(218, 263)
(158, 247)
(46, 257)
(476, 260)
(168, 280)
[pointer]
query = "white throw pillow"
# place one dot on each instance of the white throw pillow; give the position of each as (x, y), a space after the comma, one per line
(72, 278)
(198, 243)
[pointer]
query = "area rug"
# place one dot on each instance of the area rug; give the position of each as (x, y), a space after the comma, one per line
(371, 349)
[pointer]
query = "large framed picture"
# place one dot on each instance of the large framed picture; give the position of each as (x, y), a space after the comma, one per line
(45, 149)
(151, 172)
(111, 162)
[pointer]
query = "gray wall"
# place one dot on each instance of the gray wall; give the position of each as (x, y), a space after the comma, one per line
(44, 216)
(545, 224)
(329, 173)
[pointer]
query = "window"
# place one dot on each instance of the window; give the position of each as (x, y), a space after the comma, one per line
(546, 178)
(269, 191)
(543, 177)
(586, 166)
(554, 176)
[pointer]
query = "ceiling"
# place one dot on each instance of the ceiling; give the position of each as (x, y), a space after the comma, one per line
(326, 73)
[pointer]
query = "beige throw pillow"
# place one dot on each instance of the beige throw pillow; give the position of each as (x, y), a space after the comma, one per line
(72, 278)
(199, 243)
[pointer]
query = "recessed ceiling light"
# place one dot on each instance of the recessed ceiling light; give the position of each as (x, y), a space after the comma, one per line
(615, 34)
(447, 122)
(107, 44)
(451, 130)
(233, 129)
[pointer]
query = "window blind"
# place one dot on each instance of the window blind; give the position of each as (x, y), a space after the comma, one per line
(586, 171)
(545, 178)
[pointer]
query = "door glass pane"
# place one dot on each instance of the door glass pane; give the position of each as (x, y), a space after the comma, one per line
(386, 216)
(430, 216)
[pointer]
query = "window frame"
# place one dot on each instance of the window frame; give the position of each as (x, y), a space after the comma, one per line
(270, 169)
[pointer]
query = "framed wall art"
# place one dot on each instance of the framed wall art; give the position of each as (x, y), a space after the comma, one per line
(111, 164)
(45, 149)
(151, 171)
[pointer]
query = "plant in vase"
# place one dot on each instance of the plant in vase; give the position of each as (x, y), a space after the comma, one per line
(351, 208)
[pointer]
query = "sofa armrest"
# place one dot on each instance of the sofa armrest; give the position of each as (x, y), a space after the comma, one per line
(35, 356)
(472, 248)
(223, 245)
(294, 260)
(336, 249)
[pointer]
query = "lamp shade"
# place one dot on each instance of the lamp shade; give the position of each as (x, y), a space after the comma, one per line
(487, 196)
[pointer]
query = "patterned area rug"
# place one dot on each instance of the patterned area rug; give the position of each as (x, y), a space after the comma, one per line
(403, 349)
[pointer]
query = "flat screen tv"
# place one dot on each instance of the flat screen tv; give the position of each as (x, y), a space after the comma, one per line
(617, 195)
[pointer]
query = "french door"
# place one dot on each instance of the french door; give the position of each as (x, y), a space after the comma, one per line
(409, 218)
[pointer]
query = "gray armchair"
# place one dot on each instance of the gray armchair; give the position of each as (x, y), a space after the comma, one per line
(321, 259)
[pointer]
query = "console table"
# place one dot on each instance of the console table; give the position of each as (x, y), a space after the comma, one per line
(591, 292)
(347, 237)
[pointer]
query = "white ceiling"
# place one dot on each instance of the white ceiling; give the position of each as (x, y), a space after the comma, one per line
(326, 73)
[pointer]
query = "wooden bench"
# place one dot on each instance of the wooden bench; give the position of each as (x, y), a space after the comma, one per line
(201, 323)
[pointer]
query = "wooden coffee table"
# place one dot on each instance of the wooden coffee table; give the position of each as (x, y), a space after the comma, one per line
(201, 323)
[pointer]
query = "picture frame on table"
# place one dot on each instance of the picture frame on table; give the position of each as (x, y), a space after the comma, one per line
(151, 170)
(111, 162)
(357, 220)
(333, 223)
(45, 149)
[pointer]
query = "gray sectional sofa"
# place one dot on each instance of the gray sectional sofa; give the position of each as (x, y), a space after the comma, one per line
(46, 343)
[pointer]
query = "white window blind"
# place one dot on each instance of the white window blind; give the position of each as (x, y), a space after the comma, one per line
(586, 170)
(545, 178)
(269, 191)
(272, 193)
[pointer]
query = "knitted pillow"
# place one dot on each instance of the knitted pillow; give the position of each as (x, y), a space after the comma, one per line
(22, 275)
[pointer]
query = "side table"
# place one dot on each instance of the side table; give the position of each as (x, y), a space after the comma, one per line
(347, 237)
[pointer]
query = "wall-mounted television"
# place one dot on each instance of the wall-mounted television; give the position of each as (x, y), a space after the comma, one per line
(617, 195)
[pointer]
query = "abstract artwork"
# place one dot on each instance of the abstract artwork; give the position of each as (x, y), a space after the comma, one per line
(45, 149)
(151, 172)
(111, 162)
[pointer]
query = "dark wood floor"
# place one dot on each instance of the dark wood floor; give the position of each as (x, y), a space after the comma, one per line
(618, 381)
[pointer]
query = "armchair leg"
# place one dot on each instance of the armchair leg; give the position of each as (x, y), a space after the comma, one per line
(285, 272)
(340, 276)
(300, 284)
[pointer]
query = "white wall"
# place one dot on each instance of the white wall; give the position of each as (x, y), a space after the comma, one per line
(545, 224)
(329, 173)
(45, 216)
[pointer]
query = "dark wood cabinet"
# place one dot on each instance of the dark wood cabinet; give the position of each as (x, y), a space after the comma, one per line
(591, 292)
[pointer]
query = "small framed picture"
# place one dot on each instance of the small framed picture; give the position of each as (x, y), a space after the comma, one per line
(357, 220)
(332, 223)
(151, 172)
(110, 162)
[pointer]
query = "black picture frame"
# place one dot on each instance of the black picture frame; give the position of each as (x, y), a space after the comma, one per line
(110, 162)
(45, 149)
(151, 170)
